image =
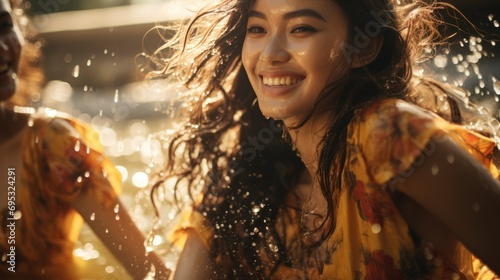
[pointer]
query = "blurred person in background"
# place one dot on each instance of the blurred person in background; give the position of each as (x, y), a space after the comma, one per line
(53, 175)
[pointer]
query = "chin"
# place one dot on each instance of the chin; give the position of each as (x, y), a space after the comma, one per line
(281, 112)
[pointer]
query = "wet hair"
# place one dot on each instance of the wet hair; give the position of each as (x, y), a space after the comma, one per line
(30, 72)
(247, 188)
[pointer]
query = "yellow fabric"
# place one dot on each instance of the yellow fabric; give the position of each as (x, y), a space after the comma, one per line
(371, 239)
(61, 158)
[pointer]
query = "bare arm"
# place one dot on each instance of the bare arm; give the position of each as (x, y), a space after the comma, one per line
(194, 262)
(121, 237)
(457, 191)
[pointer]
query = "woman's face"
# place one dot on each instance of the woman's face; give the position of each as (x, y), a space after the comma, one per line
(292, 51)
(11, 42)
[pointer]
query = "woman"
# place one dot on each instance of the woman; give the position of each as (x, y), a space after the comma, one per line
(377, 183)
(53, 174)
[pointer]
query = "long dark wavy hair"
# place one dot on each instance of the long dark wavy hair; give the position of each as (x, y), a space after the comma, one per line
(247, 171)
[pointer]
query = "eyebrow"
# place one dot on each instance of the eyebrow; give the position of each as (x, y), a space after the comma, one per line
(294, 14)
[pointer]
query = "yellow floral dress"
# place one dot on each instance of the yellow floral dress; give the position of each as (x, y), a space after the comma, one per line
(372, 240)
(61, 158)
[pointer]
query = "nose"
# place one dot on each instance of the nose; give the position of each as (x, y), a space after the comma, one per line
(275, 50)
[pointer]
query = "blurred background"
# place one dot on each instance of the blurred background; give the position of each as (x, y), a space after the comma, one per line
(91, 53)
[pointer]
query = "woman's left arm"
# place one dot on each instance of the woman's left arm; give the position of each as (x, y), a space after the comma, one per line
(451, 185)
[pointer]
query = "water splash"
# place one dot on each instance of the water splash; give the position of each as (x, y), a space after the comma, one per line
(156, 239)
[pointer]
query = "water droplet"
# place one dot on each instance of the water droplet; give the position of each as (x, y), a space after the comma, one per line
(273, 248)
(451, 159)
(89, 62)
(376, 228)
(496, 85)
(495, 23)
(117, 217)
(156, 240)
(476, 207)
(434, 169)
(440, 61)
(429, 255)
(256, 209)
(68, 58)
(117, 208)
(116, 96)
(92, 216)
(76, 71)
(17, 215)
(77, 146)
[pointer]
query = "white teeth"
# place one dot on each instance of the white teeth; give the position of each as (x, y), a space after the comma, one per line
(280, 81)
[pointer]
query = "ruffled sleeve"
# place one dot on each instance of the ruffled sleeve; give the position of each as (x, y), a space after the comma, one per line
(393, 135)
(70, 159)
(192, 220)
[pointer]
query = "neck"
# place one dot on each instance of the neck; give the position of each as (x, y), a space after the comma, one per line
(12, 121)
(307, 139)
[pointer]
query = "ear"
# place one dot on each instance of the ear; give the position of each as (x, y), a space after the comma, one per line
(368, 54)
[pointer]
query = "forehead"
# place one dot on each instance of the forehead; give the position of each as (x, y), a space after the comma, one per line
(281, 5)
(278, 8)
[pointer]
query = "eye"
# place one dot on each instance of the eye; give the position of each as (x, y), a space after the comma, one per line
(255, 30)
(303, 29)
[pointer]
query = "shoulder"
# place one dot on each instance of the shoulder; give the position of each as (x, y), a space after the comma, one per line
(54, 127)
(391, 111)
(66, 149)
(393, 118)
(390, 134)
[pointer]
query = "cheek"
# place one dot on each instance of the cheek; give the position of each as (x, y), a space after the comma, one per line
(248, 58)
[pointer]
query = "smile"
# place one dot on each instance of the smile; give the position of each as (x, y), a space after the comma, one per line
(280, 81)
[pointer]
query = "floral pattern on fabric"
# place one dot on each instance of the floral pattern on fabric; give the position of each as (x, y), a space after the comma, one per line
(371, 240)
(61, 158)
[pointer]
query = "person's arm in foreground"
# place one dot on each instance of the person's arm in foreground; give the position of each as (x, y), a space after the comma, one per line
(459, 194)
(121, 237)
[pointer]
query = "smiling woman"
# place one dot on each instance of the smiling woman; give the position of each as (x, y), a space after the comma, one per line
(374, 161)
(309, 40)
